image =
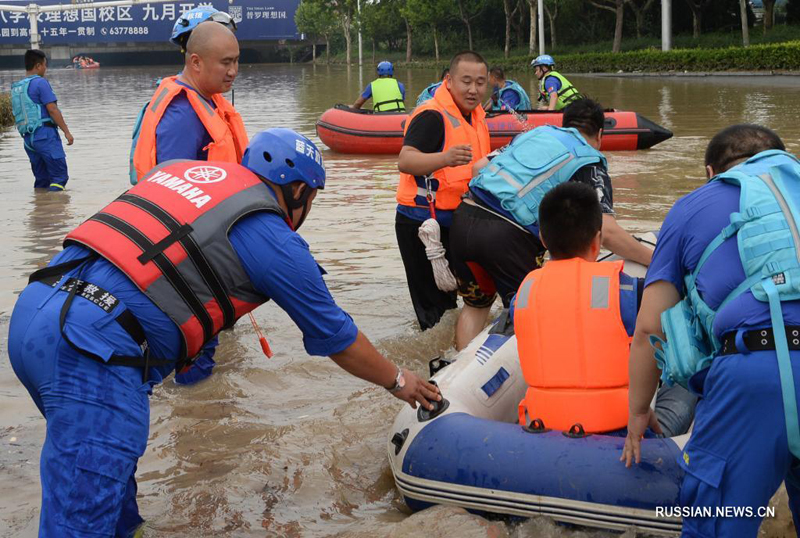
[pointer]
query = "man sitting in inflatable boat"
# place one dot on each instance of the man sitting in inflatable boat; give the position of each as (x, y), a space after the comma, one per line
(577, 371)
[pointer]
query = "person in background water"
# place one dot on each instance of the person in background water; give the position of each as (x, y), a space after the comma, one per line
(443, 138)
(428, 92)
(494, 238)
(386, 92)
(122, 306)
(577, 373)
(38, 118)
(188, 118)
(714, 290)
(506, 94)
(555, 91)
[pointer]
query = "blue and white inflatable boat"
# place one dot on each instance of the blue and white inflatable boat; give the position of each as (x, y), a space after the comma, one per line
(472, 453)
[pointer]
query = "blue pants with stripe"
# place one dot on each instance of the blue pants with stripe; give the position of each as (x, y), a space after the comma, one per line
(48, 162)
(97, 420)
(738, 453)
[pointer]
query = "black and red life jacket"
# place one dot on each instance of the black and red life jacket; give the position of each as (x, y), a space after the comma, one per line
(169, 235)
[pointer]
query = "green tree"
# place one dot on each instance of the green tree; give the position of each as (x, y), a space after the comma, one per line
(315, 19)
(468, 10)
(345, 11)
(769, 14)
(432, 14)
(640, 9)
(617, 8)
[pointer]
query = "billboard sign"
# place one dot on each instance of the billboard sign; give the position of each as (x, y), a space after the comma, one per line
(257, 20)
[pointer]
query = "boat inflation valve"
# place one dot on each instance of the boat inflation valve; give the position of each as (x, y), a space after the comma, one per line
(436, 364)
(576, 431)
(439, 407)
(536, 426)
(398, 440)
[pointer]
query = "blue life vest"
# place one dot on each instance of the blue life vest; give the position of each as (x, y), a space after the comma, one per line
(27, 114)
(512, 87)
(766, 229)
(428, 92)
(533, 164)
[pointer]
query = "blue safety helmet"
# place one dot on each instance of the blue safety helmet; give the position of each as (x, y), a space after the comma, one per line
(385, 68)
(283, 157)
(189, 20)
(544, 59)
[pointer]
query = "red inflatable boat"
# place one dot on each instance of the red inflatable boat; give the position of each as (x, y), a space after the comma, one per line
(347, 130)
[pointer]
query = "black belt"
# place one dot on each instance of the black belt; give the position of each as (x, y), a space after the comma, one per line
(51, 276)
(759, 340)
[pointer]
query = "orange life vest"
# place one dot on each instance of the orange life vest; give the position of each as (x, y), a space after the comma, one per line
(450, 183)
(224, 126)
(573, 346)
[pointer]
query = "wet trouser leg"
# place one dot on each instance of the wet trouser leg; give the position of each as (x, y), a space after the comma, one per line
(738, 453)
(675, 409)
(48, 163)
(429, 302)
(97, 426)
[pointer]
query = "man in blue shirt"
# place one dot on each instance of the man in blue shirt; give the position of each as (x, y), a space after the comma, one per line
(211, 66)
(386, 92)
(506, 94)
(43, 145)
(83, 360)
(738, 453)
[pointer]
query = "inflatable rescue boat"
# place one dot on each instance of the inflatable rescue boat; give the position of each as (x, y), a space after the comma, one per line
(347, 130)
(471, 452)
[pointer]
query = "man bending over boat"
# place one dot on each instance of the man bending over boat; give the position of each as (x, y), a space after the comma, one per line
(141, 287)
(495, 234)
(722, 297)
(574, 319)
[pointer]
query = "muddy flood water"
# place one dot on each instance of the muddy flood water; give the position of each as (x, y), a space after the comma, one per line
(292, 446)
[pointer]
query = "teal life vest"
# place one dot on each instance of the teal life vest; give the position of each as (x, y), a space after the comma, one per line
(766, 230)
(427, 93)
(533, 164)
(512, 87)
(27, 114)
(137, 127)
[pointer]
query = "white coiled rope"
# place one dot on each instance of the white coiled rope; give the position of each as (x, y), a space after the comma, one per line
(430, 235)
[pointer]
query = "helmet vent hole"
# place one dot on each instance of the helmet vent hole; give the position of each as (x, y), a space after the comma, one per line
(267, 157)
(290, 163)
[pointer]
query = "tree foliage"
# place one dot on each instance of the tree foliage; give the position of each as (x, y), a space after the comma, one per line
(438, 28)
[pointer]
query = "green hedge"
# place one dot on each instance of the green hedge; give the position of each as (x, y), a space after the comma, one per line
(771, 57)
(6, 117)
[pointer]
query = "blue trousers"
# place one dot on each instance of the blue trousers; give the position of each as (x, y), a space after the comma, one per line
(48, 162)
(97, 423)
(738, 453)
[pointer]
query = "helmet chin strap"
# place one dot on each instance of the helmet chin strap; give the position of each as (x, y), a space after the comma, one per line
(292, 204)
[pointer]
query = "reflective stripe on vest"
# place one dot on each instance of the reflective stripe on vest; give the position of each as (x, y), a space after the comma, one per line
(168, 234)
(386, 95)
(567, 94)
(223, 124)
(513, 87)
(573, 346)
(531, 166)
(27, 114)
(449, 183)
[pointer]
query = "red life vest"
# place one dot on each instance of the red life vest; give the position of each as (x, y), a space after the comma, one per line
(573, 346)
(169, 235)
